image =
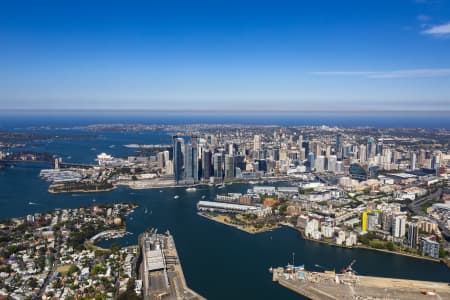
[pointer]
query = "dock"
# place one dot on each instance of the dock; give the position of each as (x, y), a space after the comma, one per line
(331, 286)
(160, 270)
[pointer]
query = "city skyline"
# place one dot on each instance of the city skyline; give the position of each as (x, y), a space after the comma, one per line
(232, 56)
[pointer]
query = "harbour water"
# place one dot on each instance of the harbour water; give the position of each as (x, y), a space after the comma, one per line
(219, 262)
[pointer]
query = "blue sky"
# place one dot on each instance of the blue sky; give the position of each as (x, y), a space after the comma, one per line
(226, 55)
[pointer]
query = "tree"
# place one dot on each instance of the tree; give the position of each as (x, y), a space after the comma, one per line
(115, 247)
(390, 246)
(32, 282)
(441, 252)
(73, 269)
(128, 295)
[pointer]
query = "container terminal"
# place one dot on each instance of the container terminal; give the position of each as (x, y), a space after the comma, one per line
(329, 285)
(160, 270)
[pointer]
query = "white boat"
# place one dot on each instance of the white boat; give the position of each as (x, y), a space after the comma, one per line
(146, 211)
(203, 197)
(191, 189)
(221, 186)
(176, 197)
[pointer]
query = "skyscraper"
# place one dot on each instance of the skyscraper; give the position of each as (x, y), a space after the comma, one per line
(379, 148)
(338, 143)
(413, 161)
(206, 164)
(371, 148)
(231, 149)
(218, 165)
(362, 153)
(331, 166)
(188, 163)
(399, 226)
(191, 160)
(256, 143)
(276, 153)
(311, 160)
(413, 235)
(195, 158)
(305, 145)
(177, 158)
(229, 166)
(319, 164)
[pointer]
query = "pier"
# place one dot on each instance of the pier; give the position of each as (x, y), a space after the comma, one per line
(332, 286)
(160, 270)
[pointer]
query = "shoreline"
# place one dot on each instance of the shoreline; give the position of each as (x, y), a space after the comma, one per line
(323, 242)
(302, 234)
(134, 185)
(82, 191)
(239, 227)
(236, 226)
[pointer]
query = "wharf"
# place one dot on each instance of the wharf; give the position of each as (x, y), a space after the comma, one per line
(161, 272)
(330, 286)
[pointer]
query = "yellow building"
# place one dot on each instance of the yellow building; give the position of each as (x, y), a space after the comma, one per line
(364, 221)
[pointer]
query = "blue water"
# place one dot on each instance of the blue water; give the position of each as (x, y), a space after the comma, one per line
(398, 119)
(219, 262)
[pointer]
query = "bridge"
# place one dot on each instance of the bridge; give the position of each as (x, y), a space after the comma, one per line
(62, 165)
(73, 165)
(15, 161)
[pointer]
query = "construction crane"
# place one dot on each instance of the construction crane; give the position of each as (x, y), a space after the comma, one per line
(349, 268)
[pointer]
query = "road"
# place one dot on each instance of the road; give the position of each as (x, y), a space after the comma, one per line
(416, 207)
